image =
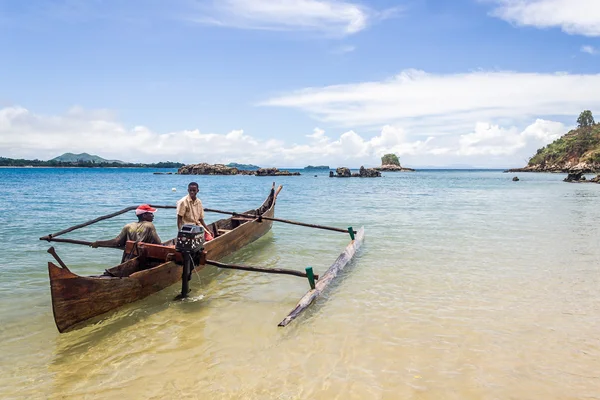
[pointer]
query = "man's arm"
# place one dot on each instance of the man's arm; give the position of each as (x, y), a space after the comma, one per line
(105, 243)
(201, 220)
(116, 242)
(180, 214)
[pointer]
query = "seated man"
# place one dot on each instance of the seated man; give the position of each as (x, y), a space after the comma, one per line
(141, 231)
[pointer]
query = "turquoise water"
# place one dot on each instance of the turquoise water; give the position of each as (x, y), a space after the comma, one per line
(468, 286)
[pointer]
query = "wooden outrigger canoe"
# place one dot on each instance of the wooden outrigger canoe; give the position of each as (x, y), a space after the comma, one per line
(76, 299)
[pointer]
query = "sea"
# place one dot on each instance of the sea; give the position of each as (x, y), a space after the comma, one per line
(469, 285)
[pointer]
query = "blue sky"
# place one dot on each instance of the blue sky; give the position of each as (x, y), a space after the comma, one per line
(296, 82)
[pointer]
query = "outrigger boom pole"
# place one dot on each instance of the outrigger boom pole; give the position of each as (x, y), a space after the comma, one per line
(251, 216)
(52, 237)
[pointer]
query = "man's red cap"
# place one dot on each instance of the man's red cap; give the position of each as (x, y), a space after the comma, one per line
(144, 208)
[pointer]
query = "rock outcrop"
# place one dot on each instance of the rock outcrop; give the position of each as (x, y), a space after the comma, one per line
(344, 172)
(574, 177)
(274, 172)
(207, 169)
(221, 169)
(578, 177)
(393, 168)
(368, 173)
(566, 167)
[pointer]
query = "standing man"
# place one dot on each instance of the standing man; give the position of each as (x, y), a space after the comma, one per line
(190, 210)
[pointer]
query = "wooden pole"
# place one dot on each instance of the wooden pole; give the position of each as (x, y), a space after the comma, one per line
(93, 221)
(72, 241)
(327, 278)
(250, 216)
(57, 258)
(259, 269)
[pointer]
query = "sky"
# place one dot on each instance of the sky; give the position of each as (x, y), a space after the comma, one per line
(288, 83)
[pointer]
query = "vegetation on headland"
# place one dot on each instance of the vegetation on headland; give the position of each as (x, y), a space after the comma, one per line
(89, 162)
(579, 149)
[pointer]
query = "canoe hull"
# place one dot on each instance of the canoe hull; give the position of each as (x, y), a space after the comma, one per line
(76, 299)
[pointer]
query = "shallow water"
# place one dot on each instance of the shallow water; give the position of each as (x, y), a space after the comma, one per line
(468, 286)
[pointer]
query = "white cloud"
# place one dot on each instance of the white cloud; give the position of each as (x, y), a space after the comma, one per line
(436, 105)
(333, 17)
(29, 135)
(24, 134)
(589, 49)
(488, 139)
(581, 17)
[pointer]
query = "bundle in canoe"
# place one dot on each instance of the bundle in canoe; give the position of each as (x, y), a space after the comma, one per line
(152, 268)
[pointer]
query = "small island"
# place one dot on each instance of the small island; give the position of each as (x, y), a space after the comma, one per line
(222, 169)
(575, 153)
(390, 162)
(318, 167)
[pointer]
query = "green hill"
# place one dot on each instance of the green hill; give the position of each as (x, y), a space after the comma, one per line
(579, 149)
(83, 157)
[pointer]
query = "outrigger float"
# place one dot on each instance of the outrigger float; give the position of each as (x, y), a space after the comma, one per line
(148, 268)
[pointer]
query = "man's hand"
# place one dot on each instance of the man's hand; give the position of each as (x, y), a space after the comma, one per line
(94, 245)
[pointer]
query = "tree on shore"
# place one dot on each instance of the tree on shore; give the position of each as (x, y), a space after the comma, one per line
(585, 119)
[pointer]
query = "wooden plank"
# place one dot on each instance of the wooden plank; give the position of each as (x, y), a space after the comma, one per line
(339, 264)
(150, 250)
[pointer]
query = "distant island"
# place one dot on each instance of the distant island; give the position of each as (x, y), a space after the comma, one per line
(313, 167)
(85, 157)
(576, 151)
(244, 167)
(83, 160)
